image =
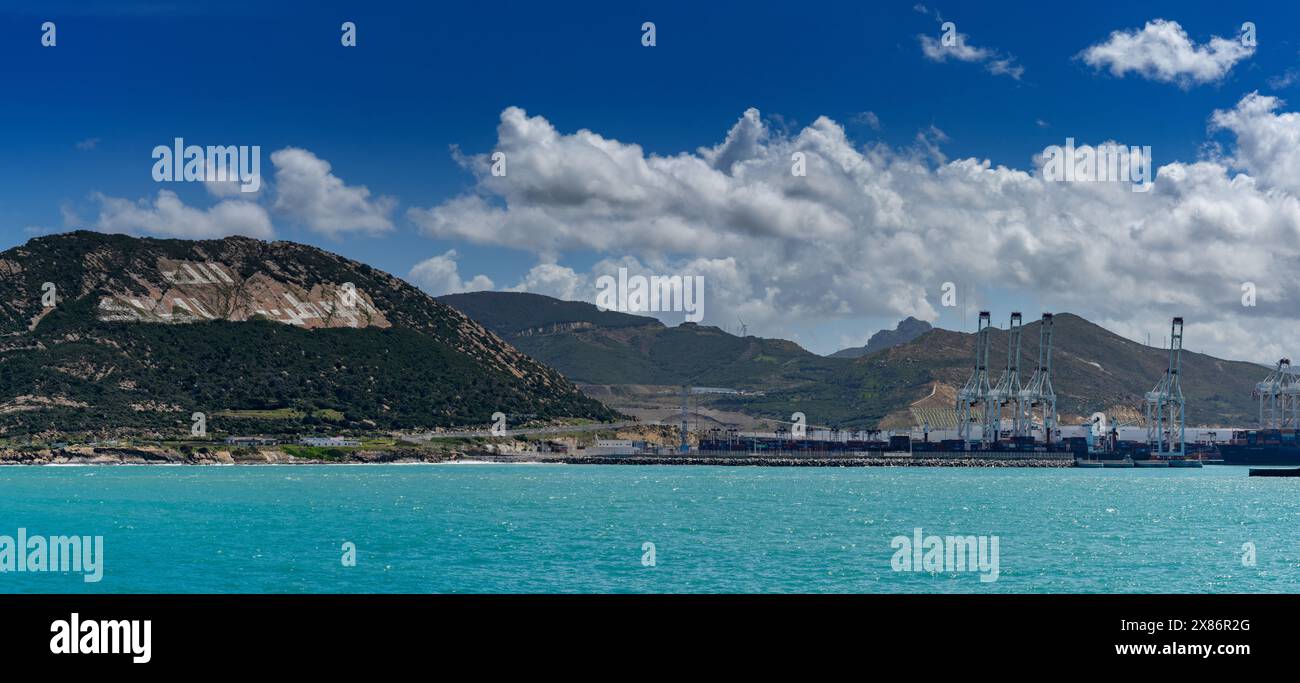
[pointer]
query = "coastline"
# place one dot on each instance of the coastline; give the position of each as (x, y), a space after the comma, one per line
(108, 456)
(166, 457)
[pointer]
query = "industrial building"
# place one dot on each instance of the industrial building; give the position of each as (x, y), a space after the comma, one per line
(328, 441)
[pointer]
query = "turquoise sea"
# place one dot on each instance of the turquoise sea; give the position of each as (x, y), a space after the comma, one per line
(568, 528)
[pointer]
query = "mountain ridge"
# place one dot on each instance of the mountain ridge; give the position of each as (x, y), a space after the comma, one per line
(1093, 369)
(907, 329)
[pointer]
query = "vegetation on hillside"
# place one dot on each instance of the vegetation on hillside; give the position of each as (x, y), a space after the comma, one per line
(433, 367)
(1093, 369)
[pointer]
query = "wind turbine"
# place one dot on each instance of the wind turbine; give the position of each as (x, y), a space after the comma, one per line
(744, 329)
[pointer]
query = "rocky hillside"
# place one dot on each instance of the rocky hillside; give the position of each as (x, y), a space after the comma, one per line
(109, 332)
(908, 329)
(1094, 369)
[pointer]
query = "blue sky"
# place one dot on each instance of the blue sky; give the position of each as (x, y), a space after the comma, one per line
(79, 120)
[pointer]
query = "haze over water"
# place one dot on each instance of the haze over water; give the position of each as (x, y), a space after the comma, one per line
(576, 528)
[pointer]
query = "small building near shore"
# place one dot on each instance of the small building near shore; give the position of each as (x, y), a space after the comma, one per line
(615, 447)
(328, 441)
(251, 441)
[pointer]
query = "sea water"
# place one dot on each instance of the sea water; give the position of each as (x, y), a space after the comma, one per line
(487, 528)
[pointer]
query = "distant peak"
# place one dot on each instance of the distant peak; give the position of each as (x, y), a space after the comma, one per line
(908, 328)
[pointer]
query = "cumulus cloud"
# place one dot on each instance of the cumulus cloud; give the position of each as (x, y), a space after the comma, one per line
(876, 231)
(1266, 141)
(1162, 51)
(441, 275)
(552, 279)
(307, 190)
(744, 142)
(167, 216)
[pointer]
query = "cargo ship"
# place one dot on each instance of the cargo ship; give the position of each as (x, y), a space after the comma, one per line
(1262, 447)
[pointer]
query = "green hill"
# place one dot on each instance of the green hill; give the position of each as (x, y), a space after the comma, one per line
(255, 335)
(515, 313)
(592, 346)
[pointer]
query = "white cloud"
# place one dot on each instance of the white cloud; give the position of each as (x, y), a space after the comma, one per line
(306, 190)
(1267, 142)
(555, 280)
(1287, 79)
(875, 231)
(168, 216)
(440, 275)
(87, 144)
(1005, 66)
(1162, 51)
(961, 50)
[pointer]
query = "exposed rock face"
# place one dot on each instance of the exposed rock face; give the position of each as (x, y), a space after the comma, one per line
(197, 291)
(908, 329)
